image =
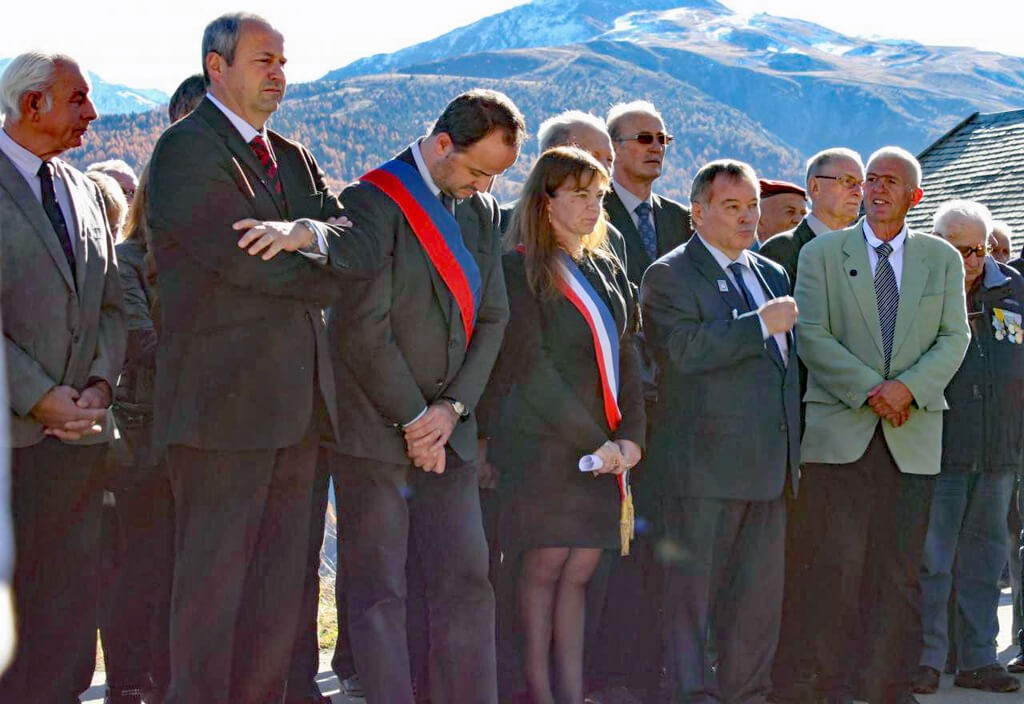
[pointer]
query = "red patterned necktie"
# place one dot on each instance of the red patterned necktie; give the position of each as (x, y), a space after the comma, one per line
(262, 152)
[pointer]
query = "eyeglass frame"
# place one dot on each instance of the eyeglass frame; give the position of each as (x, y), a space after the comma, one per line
(979, 250)
(839, 180)
(663, 138)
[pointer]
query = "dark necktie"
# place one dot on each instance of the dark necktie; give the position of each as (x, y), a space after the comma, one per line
(887, 294)
(448, 202)
(53, 212)
(262, 152)
(648, 237)
(737, 271)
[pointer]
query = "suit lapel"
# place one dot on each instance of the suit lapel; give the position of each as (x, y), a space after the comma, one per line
(14, 183)
(78, 197)
(665, 226)
(912, 283)
(241, 151)
(620, 217)
(769, 294)
(715, 275)
(857, 269)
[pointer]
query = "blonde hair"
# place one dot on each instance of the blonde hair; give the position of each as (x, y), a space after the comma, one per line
(531, 230)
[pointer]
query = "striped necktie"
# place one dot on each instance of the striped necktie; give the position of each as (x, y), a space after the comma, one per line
(887, 294)
(648, 237)
(262, 152)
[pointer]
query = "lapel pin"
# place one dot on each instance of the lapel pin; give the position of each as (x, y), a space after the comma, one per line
(723, 286)
(853, 272)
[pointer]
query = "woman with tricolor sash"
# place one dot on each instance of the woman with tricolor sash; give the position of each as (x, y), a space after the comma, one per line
(572, 422)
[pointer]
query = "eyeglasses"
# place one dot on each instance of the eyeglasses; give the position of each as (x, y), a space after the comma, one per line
(978, 250)
(847, 182)
(647, 138)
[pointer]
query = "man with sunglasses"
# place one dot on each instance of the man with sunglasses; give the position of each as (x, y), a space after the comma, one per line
(835, 178)
(982, 449)
(882, 330)
(651, 224)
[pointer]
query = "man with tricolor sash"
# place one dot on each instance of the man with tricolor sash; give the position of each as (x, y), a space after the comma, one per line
(412, 353)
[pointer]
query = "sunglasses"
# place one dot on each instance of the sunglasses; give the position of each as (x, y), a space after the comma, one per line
(978, 250)
(647, 138)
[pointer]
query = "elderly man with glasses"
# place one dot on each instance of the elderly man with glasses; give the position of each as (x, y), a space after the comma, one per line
(982, 448)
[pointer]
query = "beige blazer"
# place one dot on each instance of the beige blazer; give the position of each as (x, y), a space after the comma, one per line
(56, 331)
(840, 341)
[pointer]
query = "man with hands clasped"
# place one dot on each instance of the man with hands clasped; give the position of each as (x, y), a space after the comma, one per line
(883, 329)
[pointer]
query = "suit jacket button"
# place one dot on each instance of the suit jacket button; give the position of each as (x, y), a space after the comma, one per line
(784, 427)
(440, 383)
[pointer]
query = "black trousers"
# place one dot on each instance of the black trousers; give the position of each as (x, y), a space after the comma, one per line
(385, 506)
(56, 506)
(305, 661)
(135, 614)
(241, 543)
(871, 521)
(723, 594)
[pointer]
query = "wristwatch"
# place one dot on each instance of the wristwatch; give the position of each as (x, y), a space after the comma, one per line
(458, 406)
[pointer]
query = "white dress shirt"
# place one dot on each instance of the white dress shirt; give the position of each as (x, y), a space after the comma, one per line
(753, 285)
(27, 164)
(630, 202)
(249, 133)
(895, 257)
(816, 225)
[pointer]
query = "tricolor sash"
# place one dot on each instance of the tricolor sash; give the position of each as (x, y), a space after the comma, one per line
(575, 287)
(437, 232)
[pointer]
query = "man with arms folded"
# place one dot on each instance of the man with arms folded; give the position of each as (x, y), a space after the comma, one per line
(882, 330)
(244, 390)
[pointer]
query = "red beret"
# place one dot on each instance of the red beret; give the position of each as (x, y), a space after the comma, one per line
(773, 188)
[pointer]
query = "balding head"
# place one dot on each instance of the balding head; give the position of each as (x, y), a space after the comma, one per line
(579, 129)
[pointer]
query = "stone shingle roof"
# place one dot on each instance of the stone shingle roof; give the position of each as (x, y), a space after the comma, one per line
(980, 159)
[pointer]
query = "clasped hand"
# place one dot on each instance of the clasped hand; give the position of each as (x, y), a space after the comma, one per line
(617, 456)
(426, 438)
(269, 238)
(68, 414)
(891, 400)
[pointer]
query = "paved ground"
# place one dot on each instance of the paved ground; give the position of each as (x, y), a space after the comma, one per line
(947, 694)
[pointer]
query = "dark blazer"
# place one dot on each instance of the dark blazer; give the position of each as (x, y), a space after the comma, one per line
(727, 424)
(1017, 264)
(784, 248)
(399, 343)
(57, 330)
(671, 222)
(548, 375)
(241, 339)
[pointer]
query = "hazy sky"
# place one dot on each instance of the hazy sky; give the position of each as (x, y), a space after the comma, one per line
(147, 44)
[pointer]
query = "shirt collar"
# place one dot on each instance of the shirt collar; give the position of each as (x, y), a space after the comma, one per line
(896, 242)
(722, 258)
(25, 161)
(816, 225)
(629, 200)
(247, 131)
(421, 166)
(994, 276)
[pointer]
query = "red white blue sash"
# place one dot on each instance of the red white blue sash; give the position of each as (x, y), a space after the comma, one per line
(437, 232)
(575, 287)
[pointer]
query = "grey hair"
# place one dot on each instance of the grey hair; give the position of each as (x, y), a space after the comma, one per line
(826, 156)
(701, 187)
(904, 156)
(114, 202)
(117, 166)
(953, 209)
(619, 112)
(556, 131)
(33, 71)
(221, 36)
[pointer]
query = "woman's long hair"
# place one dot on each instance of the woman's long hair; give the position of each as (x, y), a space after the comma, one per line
(135, 226)
(530, 229)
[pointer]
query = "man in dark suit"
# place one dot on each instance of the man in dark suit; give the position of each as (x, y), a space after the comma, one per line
(412, 354)
(834, 180)
(244, 387)
(64, 338)
(724, 439)
(652, 225)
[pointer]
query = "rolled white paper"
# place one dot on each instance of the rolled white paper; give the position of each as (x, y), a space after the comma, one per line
(590, 463)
